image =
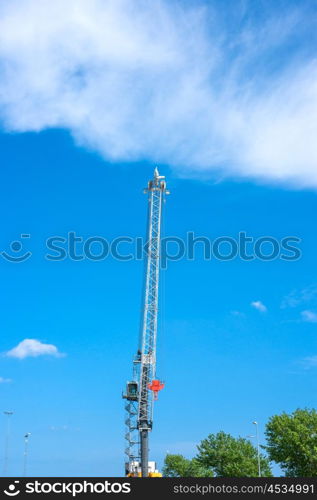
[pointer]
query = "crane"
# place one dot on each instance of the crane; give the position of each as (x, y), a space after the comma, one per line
(143, 388)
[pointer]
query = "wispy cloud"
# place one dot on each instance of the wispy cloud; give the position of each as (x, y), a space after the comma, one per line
(309, 362)
(298, 297)
(33, 348)
(257, 304)
(309, 316)
(57, 428)
(171, 82)
(237, 314)
(5, 380)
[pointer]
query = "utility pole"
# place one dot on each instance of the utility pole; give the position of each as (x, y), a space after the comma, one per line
(7, 443)
(144, 387)
(258, 447)
(26, 451)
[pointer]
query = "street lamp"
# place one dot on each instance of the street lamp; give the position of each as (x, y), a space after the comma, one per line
(26, 449)
(258, 447)
(8, 414)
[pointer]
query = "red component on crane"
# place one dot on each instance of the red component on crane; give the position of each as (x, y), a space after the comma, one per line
(156, 386)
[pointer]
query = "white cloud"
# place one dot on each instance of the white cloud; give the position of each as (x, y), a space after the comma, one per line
(33, 348)
(5, 380)
(164, 81)
(309, 316)
(257, 304)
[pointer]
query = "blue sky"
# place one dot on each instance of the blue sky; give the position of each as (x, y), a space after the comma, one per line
(77, 168)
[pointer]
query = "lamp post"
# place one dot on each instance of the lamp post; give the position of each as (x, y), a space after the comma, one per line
(26, 449)
(7, 442)
(258, 447)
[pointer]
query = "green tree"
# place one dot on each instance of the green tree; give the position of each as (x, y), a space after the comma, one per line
(292, 442)
(179, 466)
(227, 456)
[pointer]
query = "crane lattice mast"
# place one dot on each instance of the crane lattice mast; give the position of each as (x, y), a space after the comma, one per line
(144, 387)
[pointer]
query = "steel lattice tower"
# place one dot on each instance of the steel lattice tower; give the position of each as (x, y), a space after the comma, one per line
(144, 387)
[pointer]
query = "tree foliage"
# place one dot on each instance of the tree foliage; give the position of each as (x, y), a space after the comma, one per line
(179, 466)
(227, 456)
(292, 442)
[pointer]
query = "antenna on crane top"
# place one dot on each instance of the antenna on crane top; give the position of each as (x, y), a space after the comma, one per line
(144, 386)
